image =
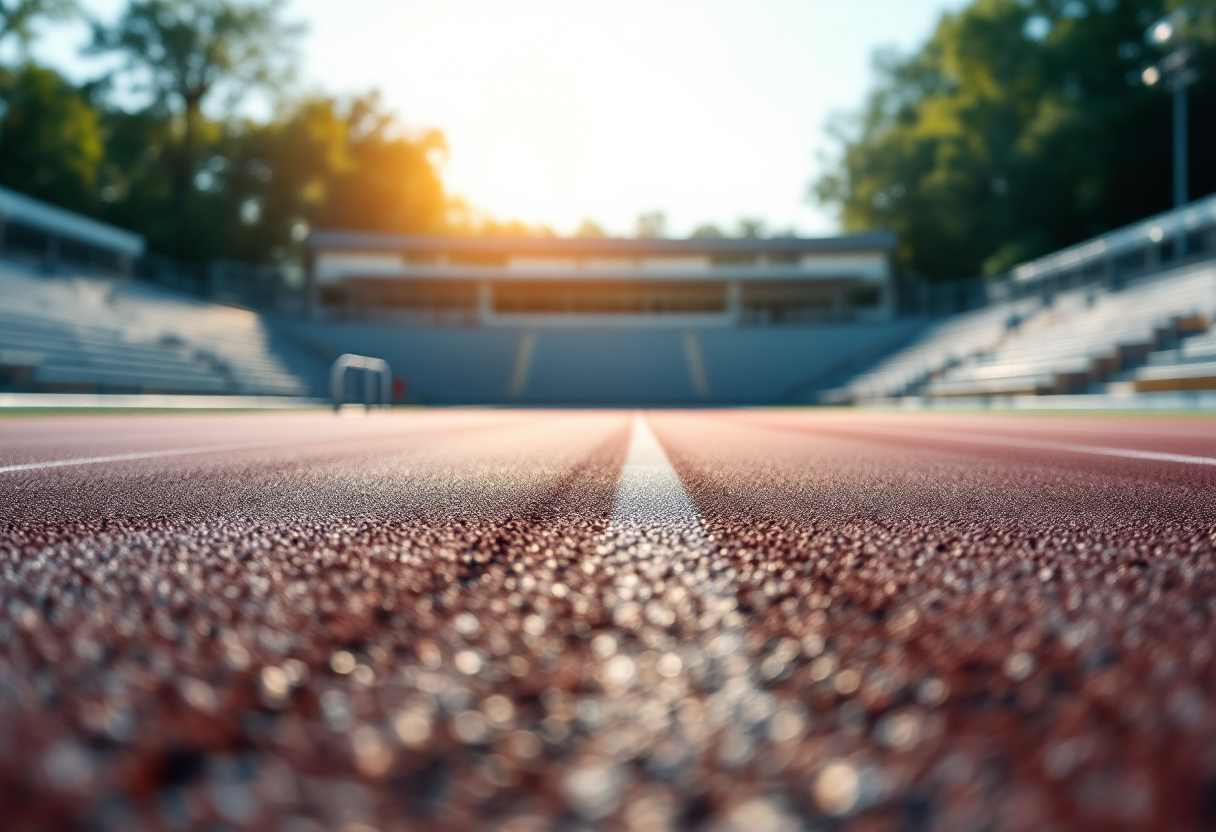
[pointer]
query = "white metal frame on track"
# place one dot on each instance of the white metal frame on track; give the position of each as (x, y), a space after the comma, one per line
(337, 379)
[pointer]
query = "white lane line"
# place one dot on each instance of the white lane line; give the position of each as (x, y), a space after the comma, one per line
(656, 526)
(98, 460)
(1046, 445)
(650, 490)
(658, 537)
(235, 446)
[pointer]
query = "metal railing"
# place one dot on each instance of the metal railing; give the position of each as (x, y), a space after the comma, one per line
(263, 288)
(1175, 238)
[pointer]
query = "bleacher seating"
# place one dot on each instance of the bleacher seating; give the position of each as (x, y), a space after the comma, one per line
(1086, 337)
(1189, 366)
(78, 334)
(937, 348)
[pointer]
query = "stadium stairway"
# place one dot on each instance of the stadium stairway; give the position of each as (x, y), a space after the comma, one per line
(94, 335)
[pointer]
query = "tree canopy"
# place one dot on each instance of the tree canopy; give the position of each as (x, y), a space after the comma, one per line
(18, 16)
(51, 140)
(185, 169)
(183, 52)
(1021, 126)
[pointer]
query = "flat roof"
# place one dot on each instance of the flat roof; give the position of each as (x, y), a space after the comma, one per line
(718, 275)
(321, 240)
(45, 217)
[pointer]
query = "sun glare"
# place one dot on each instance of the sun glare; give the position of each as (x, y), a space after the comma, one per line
(572, 123)
(556, 111)
(708, 110)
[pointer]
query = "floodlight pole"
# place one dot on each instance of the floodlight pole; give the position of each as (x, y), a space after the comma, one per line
(1181, 162)
(1178, 72)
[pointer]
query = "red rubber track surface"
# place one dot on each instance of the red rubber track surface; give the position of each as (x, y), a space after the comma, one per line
(430, 620)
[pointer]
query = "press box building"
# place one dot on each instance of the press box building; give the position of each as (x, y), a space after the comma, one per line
(580, 281)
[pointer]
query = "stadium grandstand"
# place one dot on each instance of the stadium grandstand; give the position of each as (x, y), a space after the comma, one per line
(620, 321)
(601, 321)
(73, 320)
(84, 334)
(1126, 313)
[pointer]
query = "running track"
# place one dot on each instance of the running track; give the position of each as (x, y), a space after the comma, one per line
(753, 620)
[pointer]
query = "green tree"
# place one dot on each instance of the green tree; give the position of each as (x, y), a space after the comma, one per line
(590, 229)
(1021, 126)
(50, 138)
(750, 227)
(185, 52)
(652, 224)
(135, 192)
(324, 164)
(18, 16)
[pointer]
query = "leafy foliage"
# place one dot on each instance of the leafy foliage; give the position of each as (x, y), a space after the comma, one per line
(17, 16)
(1021, 126)
(184, 170)
(184, 51)
(50, 139)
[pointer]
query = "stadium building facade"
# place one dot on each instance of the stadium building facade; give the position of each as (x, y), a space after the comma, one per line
(599, 321)
(512, 282)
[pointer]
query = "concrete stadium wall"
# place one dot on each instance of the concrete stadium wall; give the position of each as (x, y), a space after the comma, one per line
(611, 367)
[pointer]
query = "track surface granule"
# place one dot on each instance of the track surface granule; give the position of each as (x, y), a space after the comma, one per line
(764, 621)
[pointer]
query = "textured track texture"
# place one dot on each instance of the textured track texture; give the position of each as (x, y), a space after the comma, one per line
(762, 621)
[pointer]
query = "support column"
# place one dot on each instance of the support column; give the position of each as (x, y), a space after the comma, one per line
(1180, 148)
(485, 302)
(1181, 196)
(312, 291)
(734, 301)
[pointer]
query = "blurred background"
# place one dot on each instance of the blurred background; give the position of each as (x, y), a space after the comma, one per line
(197, 147)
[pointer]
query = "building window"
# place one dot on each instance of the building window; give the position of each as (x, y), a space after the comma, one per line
(609, 298)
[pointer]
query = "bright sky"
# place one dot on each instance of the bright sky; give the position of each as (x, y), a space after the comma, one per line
(556, 110)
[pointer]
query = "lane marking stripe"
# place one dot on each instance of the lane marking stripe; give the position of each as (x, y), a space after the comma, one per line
(204, 449)
(650, 490)
(1047, 445)
(97, 460)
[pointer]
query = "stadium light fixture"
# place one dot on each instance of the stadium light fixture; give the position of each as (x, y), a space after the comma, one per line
(1176, 69)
